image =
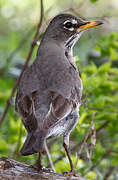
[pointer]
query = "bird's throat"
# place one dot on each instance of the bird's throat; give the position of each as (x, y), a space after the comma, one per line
(72, 40)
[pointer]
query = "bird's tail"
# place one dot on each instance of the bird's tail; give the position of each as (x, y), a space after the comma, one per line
(34, 143)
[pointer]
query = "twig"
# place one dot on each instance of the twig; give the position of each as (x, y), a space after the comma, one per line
(93, 134)
(25, 65)
(109, 172)
(49, 157)
(98, 162)
(105, 155)
(83, 144)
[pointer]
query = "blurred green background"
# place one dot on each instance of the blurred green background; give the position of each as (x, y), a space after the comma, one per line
(96, 55)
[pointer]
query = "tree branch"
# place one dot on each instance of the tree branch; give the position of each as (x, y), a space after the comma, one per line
(25, 65)
(12, 170)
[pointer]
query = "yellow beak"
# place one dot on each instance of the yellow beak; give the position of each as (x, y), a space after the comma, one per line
(90, 24)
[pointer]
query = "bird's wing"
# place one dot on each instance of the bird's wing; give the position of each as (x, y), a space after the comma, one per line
(60, 107)
(66, 87)
(25, 107)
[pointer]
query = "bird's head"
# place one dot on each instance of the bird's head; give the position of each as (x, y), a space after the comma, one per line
(67, 29)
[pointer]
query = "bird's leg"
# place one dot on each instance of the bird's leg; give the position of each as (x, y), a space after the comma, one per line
(73, 118)
(38, 162)
(73, 172)
(69, 156)
(37, 166)
(40, 167)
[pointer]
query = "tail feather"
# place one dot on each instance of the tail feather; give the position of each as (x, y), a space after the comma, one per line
(39, 144)
(34, 143)
(27, 148)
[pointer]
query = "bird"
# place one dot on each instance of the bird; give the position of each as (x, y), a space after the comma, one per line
(50, 91)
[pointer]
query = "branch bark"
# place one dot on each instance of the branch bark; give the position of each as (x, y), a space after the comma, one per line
(25, 65)
(14, 170)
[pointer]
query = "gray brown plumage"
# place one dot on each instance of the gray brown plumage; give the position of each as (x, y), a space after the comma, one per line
(49, 93)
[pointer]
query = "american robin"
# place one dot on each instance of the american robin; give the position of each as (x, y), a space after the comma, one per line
(50, 91)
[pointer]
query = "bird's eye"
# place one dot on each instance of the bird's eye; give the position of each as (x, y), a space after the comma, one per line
(68, 25)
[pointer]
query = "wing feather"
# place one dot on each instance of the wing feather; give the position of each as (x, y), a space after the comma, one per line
(60, 107)
(25, 108)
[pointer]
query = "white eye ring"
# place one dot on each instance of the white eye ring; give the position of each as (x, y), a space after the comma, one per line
(67, 21)
(74, 21)
(71, 28)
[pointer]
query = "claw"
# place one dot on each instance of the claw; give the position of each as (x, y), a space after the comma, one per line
(74, 173)
(42, 168)
(71, 173)
(33, 166)
(46, 169)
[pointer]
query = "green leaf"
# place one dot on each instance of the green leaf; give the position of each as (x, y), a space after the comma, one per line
(93, 1)
(82, 118)
(91, 175)
(113, 54)
(105, 68)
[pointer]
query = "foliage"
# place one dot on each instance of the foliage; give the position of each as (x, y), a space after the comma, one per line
(108, 46)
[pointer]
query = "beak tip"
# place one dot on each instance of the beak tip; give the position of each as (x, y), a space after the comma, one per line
(99, 22)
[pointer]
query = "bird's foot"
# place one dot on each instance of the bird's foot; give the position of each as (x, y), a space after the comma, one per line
(71, 173)
(48, 170)
(41, 168)
(33, 166)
